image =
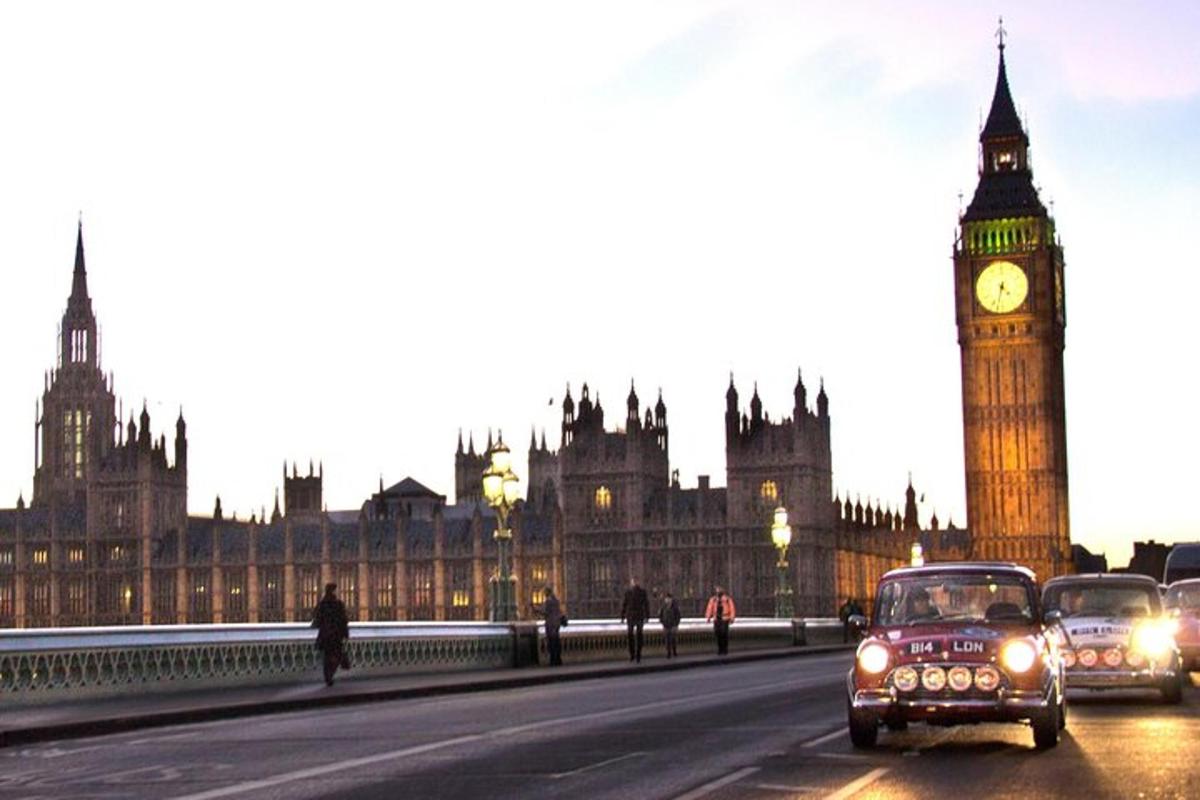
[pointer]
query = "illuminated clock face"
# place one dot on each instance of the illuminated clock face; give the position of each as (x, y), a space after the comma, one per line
(1001, 287)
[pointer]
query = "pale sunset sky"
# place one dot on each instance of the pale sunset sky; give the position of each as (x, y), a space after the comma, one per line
(342, 231)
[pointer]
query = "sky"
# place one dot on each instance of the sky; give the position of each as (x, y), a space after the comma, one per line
(344, 231)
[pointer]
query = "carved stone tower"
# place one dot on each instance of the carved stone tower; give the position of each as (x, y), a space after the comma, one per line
(1009, 293)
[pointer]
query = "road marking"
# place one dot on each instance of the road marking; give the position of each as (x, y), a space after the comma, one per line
(779, 787)
(843, 757)
(499, 733)
(597, 765)
(823, 739)
(855, 786)
(712, 786)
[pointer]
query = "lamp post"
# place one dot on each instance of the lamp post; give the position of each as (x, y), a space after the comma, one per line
(500, 486)
(781, 535)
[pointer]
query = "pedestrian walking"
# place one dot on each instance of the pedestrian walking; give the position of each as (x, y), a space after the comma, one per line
(721, 612)
(555, 619)
(848, 609)
(635, 610)
(669, 616)
(333, 629)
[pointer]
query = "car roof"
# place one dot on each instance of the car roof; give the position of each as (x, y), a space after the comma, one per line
(1185, 582)
(962, 567)
(1122, 577)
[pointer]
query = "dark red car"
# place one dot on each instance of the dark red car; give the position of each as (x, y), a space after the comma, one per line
(1183, 602)
(956, 643)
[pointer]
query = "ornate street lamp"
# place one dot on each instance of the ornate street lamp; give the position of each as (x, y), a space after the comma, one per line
(500, 486)
(781, 535)
(917, 555)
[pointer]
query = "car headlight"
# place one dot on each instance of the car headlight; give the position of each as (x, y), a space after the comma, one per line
(1134, 658)
(1154, 639)
(873, 658)
(1087, 657)
(1068, 658)
(1018, 656)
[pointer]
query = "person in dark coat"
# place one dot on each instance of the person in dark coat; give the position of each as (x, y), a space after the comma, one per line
(669, 616)
(333, 629)
(635, 610)
(555, 619)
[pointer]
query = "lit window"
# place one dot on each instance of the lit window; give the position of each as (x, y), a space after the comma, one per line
(117, 553)
(6, 558)
(41, 556)
(769, 491)
(538, 573)
(462, 598)
(539, 596)
(201, 588)
(235, 590)
(75, 555)
(603, 498)
(126, 599)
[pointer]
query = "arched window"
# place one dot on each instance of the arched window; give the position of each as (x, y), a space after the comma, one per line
(603, 499)
(769, 492)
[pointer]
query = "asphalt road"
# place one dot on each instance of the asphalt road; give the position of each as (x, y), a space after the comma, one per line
(768, 729)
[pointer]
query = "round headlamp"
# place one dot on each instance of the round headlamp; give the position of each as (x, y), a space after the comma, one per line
(987, 678)
(1113, 657)
(1088, 657)
(959, 678)
(1068, 658)
(873, 658)
(1154, 639)
(934, 679)
(1018, 656)
(1135, 659)
(905, 679)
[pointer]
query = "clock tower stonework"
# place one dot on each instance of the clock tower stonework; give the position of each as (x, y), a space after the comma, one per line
(1011, 315)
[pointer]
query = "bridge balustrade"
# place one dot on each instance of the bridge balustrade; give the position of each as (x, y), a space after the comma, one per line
(63, 664)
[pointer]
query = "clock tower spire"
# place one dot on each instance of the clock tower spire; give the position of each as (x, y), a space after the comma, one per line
(1008, 280)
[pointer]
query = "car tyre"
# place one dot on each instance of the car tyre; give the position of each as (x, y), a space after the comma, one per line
(1046, 724)
(1172, 690)
(1062, 711)
(864, 726)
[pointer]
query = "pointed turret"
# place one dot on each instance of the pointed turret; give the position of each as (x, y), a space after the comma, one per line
(79, 291)
(822, 402)
(631, 406)
(755, 407)
(1005, 187)
(460, 446)
(217, 512)
(275, 513)
(801, 395)
(910, 507)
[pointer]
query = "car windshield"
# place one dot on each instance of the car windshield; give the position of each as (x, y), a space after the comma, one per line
(924, 599)
(1185, 596)
(1102, 599)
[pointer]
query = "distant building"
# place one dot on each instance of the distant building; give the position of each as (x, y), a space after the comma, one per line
(1149, 558)
(1085, 561)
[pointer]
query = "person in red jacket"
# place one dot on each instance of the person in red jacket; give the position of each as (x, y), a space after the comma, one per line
(721, 612)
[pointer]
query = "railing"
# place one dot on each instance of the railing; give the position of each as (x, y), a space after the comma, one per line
(62, 664)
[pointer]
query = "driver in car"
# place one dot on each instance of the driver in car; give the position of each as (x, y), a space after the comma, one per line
(920, 607)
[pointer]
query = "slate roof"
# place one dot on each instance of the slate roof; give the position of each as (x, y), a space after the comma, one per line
(411, 488)
(1003, 195)
(1002, 119)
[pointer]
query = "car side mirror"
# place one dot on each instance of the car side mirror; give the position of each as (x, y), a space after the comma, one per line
(1052, 617)
(858, 623)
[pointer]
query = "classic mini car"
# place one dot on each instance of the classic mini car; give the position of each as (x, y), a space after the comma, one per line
(1114, 634)
(955, 643)
(1183, 604)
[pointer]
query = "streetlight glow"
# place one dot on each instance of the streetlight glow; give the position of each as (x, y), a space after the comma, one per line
(781, 536)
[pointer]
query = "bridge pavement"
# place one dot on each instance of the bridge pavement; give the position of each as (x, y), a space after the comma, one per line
(764, 729)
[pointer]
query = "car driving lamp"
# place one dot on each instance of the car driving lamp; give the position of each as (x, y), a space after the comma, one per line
(934, 679)
(1113, 657)
(905, 679)
(1087, 657)
(873, 658)
(987, 679)
(1018, 656)
(1068, 658)
(959, 679)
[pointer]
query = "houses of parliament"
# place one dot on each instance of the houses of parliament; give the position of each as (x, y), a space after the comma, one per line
(106, 537)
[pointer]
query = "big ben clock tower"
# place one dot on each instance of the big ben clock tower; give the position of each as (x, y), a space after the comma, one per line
(1009, 291)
